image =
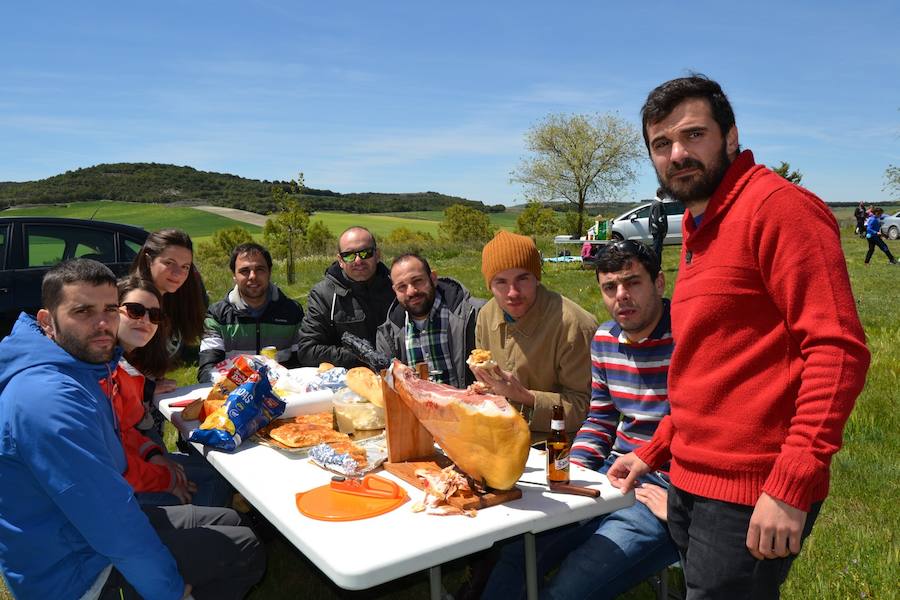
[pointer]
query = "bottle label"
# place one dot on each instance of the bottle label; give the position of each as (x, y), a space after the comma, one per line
(561, 463)
(557, 425)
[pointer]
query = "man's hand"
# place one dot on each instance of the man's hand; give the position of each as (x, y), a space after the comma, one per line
(175, 468)
(184, 491)
(164, 386)
(625, 471)
(775, 528)
(504, 383)
(655, 498)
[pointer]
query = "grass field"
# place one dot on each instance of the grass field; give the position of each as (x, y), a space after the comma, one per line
(854, 550)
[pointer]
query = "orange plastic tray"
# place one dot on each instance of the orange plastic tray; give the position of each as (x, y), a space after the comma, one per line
(341, 502)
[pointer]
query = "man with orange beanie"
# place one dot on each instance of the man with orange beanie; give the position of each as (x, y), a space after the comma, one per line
(540, 340)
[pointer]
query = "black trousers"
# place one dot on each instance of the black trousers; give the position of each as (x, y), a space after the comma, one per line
(877, 241)
(658, 245)
(215, 554)
(711, 536)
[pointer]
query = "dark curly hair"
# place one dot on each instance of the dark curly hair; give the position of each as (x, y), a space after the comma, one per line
(664, 98)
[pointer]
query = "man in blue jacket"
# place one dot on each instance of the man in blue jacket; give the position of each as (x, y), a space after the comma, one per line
(70, 526)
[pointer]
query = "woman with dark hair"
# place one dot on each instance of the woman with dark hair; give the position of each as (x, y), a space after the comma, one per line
(158, 477)
(167, 259)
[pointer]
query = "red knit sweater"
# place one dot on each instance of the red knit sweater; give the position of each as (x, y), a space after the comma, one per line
(769, 351)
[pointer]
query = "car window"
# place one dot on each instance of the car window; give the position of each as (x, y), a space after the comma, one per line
(129, 249)
(3, 236)
(641, 213)
(674, 208)
(47, 245)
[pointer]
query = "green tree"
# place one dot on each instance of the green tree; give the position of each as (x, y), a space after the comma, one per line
(319, 239)
(892, 180)
(784, 169)
(464, 224)
(537, 220)
(574, 224)
(285, 231)
(579, 158)
(407, 240)
(222, 243)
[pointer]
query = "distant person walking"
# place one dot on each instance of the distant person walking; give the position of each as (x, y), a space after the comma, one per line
(860, 214)
(874, 235)
(659, 223)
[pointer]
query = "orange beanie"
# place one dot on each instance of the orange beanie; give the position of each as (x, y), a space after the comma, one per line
(509, 251)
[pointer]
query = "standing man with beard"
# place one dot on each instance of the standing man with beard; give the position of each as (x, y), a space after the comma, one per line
(254, 314)
(769, 357)
(432, 321)
(70, 526)
(354, 296)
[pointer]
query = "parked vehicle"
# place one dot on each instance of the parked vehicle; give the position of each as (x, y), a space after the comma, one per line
(30, 246)
(890, 226)
(634, 224)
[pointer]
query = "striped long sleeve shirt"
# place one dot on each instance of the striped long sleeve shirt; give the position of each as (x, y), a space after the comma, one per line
(629, 392)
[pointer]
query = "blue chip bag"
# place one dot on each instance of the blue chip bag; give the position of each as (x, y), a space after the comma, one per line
(249, 407)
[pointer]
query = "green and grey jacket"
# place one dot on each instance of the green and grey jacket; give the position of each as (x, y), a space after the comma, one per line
(229, 329)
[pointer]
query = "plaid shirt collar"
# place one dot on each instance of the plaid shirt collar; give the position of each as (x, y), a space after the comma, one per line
(431, 344)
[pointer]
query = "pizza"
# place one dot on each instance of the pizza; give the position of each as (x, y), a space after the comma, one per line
(305, 431)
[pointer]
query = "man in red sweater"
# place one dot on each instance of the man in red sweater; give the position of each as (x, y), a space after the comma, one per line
(769, 354)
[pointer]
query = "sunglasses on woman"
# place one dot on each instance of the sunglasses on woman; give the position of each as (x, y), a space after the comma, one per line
(136, 311)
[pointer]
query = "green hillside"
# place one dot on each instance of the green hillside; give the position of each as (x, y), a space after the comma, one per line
(160, 183)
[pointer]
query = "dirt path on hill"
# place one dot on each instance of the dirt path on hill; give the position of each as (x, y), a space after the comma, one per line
(244, 216)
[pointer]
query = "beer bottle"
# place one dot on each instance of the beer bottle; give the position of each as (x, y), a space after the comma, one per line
(558, 448)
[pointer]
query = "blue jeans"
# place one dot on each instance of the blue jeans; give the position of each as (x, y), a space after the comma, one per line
(600, 558)
(212, 488)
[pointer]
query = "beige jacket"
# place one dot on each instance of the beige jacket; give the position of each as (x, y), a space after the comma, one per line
(548, 350)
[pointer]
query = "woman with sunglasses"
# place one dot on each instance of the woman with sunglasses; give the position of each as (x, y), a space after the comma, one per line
(167, 259)
(158, 478)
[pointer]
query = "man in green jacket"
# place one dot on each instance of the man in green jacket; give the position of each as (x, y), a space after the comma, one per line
(254, 314)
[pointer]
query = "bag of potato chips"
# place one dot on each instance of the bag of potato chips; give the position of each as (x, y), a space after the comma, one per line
(250, 406)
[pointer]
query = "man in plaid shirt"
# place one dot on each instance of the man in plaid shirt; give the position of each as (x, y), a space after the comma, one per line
(432, 320)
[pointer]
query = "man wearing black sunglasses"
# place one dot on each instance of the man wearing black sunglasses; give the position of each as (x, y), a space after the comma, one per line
(354, 296)
(769, 356)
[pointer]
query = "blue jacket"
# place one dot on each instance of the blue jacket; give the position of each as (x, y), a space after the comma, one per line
(873, 226)
(66, 512)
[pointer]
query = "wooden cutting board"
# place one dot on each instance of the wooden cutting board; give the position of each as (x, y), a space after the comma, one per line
(467, 500)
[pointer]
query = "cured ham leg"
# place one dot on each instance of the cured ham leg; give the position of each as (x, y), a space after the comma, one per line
(486, 437)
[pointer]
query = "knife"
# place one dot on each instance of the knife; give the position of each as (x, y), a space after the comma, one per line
(567, 488)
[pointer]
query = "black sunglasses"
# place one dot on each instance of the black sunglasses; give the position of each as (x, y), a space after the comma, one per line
(631, 247)
(136, 311)
(350, 255)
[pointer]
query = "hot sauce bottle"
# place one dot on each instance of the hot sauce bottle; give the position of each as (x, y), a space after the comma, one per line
(558, 448)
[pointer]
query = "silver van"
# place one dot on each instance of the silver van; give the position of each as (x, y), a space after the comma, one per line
(633, 225)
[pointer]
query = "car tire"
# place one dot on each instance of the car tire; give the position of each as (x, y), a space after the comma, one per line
(617, 237)
(894, 232)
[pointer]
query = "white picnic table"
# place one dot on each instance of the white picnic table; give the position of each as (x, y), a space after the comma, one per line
(400, 542)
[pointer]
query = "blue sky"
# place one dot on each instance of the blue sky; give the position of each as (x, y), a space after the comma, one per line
(414, 96)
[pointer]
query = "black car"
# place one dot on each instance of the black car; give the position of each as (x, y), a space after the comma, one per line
(30, 246)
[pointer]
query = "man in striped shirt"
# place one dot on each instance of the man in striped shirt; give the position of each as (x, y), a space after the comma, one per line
(629, 363)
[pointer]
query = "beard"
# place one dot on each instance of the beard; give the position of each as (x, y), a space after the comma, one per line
(425, 308)
(81, 349)
(698, 188)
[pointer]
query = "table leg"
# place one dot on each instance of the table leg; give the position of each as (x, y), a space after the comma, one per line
(434, 582)
(531, 586)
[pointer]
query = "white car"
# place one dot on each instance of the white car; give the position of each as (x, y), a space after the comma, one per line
(633, 225)
(890, 226)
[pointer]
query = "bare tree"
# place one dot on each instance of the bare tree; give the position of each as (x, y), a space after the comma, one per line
(579, 158)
